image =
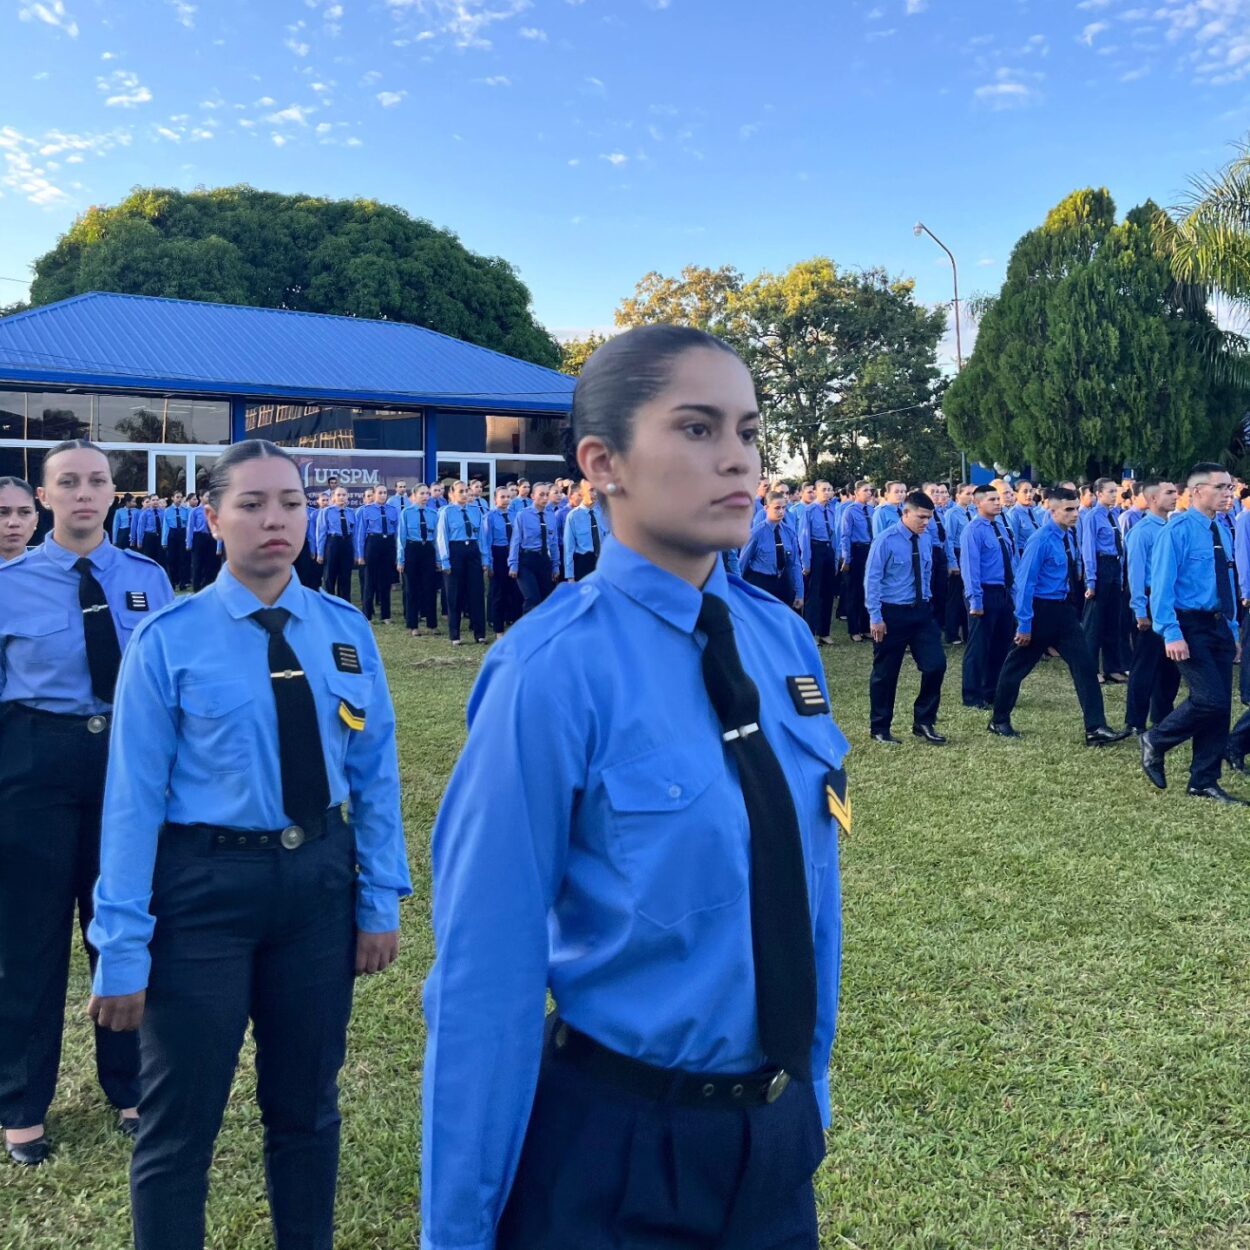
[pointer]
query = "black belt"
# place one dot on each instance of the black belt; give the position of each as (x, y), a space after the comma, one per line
(668, 1085)
(821, 542)
(1199, 614)
(95, 724)
(219, 837)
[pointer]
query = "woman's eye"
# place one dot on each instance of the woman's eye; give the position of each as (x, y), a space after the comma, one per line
(697, 429)
(752, 435)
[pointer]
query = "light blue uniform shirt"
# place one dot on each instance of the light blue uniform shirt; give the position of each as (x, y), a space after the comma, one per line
(195, 690)
(122, 520)
(1130, 517)
(1139, 551)
(577, 538)
(519, 504)
(496, 531)
(620, 878)
(888, 575)
(409, 528)
(856, 527)
(371, 518)
(146, 521)
(43, 649)
(981, 560)
(1097, 532)
(1043, 573)
(887, 514)
(822, 524)
(330, 525)
(174, 521)
(457, 523)
(760, 554)
(957, 520)
(1183, 573)
(1024, 523)
(1241, 549)
(527, 532)
(197, 523)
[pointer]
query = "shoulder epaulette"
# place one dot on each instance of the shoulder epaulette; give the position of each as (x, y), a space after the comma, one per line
(557, 613)
(138, 555)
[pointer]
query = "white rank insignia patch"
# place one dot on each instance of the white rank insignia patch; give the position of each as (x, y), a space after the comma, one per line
(808, 697)
(346, 657)
(137, 600)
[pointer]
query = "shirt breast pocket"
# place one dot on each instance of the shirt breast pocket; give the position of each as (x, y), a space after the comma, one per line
(816, 748)
(48, 642)
(217, 717)
(682, 850)
(350, 694)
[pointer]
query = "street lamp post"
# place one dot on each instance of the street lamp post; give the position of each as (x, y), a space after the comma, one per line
(921, 229)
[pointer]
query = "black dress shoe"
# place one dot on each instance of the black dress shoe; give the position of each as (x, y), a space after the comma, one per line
(1117, 679)
(1216, 795)
(128, 1126)
(1152, 764)
(1104, 736)
(888, 738)
(1002, 729)
(1236, 762)
(29, 1154)
(929, 734)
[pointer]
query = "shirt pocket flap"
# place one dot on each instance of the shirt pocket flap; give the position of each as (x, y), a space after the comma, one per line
(820, 738)
(667, 779)
(213, 699)
(38, 624)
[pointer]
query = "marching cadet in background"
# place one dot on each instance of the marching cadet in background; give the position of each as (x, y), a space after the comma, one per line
(203, 549)
(1102, 554)
(956, 520)
(987, 565)
(534, 556)
(438, 500)
(145, 531)
(1023, 517)
(1153, 679)
(1046, 619)
(671, 879)
(232, 885)
(856, 537)
(939, 540)
(18, 517)
(496, 543)
(478, 503)
(1136, 510)
(336, 529)
(123, 518)
(774, 555)
(67, 611)
(417, 560)
(374, 545)
(890, 510)
(822, 580)
(460, 559)
(897, 583)
(522, 499)
(174, 542)
(1194, 611)
(306, 567)
(585, 528)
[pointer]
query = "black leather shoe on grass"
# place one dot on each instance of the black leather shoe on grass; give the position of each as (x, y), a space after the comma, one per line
(1216, 795)
(929, 734)
(1105, 736)
(29, 1154)
(1152, 764)
(887, 739)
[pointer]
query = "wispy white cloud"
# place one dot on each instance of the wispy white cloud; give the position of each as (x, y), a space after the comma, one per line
(496, 80)
(912, 7)
(533, 33)
(292, 115)
(1092, 31)
(1010, 89)
(354, 142)
(127, 91)
(184, 13)
(986, 262)
(463, 23)
(295, 41)
(29, 159)
(51, 14)
(1136, 74)
(887, 32)
(615, 158)
(748, 131)
(1089, 6)
(108, 56)
(278, 140)
(389, 99)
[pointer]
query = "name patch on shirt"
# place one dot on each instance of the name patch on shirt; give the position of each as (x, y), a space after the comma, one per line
(352, 717)
(137, 600)
(838, 798)
(346, 657)
(808, 697)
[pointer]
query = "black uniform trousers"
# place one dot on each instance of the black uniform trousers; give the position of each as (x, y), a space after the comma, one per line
(266, 934)
(177, 564)
(1153, 682)
(1102, 624)
(584, 564)
(340, 559)
(466, 595)
(51, 792)
(307, 569)
(1204, 715)
(1055, 624)
(534, 579)
(939, 587)
(151, 547)
(602, 1167)
(818, 597)
(956, 623)
(853, 594)
(1244, 690)
(776, 584)
(906, 625)
(420, 585)
(204, 562)
(378, 575)
(505, 593)
(989, 640)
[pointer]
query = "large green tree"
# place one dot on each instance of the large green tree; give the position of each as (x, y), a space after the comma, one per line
(698, 297)
(1089, 360)
(574, 353)
(355, 258)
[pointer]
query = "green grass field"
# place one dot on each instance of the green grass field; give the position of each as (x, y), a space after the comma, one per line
(1045, 1003)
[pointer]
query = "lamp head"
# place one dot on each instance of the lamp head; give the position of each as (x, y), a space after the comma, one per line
(918, 229)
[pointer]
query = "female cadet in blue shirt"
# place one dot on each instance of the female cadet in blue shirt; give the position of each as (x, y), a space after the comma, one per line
(336, 529)
(67, 610)
(416, 561)
(672, 877)
(231, 883)
(585, 528)
(18, 517)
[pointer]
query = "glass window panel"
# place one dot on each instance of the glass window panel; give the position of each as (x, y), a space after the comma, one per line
(56, 416)
(171, 475)
(130, 471)
(23, 462)
(13, 415)
(198, 421)
(532, 470)
(203, 467)
(134, 419)
(336, 426)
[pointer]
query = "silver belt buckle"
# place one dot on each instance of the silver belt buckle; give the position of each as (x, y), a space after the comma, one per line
(292, 837)
(777, 1086)
(97, 724)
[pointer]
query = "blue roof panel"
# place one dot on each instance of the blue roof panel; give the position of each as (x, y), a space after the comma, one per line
(138, 342)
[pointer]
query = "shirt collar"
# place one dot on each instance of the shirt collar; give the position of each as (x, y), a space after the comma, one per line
(241, 603)
(660, 592)
(1150, 518)
(101, 558)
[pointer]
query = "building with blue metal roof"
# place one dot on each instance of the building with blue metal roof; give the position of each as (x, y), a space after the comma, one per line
(163, 384)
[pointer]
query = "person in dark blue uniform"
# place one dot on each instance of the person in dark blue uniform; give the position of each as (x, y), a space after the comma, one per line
(958, 515)
(987, 565)
(67, 611)
(232, 885)
(306, 567)
(374, 541)
(534, 557)
(336, 533)
(1241, 562)
(1102, 554)
(897, 581)
(496, 543)
(145, 531)
(856, 538)
(417, 561)
(18, 517)
(775, 555)
(890, 510)
(122, 519)
(174, 542)
(672, 879)
(459, 549)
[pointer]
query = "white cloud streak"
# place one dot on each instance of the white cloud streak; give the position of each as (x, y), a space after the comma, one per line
(51, 14)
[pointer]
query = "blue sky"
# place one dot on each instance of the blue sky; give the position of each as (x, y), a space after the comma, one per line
(589, 141)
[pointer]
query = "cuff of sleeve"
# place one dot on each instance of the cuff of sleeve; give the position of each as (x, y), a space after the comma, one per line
(875, 618)
(377, 911)
(822, 1101)
(1024, 625)
(121, 972)
(1172, 633)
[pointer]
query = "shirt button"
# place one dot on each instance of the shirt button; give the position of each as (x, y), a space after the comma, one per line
(674, 792)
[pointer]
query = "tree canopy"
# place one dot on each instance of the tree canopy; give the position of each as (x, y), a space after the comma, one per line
(354, 258)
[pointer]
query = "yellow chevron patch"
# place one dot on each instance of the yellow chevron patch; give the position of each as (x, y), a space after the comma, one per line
(352, 717)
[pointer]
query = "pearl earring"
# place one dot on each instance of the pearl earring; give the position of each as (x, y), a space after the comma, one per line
(610, 488)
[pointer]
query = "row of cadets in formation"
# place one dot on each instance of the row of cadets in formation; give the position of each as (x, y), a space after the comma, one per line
(175, 534)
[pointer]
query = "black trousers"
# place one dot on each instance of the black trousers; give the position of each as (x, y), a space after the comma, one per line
(584, 564)
(51, 792)
(906, 626)
(177, 563)
(204, 562)
(956, 623)
(1153, 682)
(1205, 714)
(775, 584)
(1055, 624)
(601, 1167)
(340, 559)
(151, 547)
(818, 600)
(534, 579)
(1244, 683)
(420, 585)
(1102, 624)
(265, 935)
(853, 590)
(939, 587)
(989, 640)
(307, 569)
(465, 593)
(378, 575)
(505, 594)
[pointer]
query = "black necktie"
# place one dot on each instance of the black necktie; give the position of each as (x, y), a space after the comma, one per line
(941, 529)
(104, 652)
(1074, 576)
(542, 530)
(425, 532)
(779, 549)
(343, 522)
(1005, 551)
(781, 928)
(594, 533)
(305, 790)
(177, 525)
(1223, 583)
(507, 527)
(385, 532)
(1119, 548)
(917, 581)
(468, 525)
(824, 508)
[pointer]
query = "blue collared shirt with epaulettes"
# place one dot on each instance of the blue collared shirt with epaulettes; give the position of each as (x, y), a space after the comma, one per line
(1024, 521)
(43, 649)
(371, 518)
(939, 534)
(122, 520)
(409, 528)
(621, 878)
(889, 575)
(457, 523)
(195, 690)
(958, 518)
(174, 521)
(1130, 517)
(1098, 533)
(527, 532)
(760, 553)
(481, 510)
(577, 538)
(1042, 573)
(519, 504)
(330, 525)
(1139, 549)
(981, 559)
(1241, 551)
(497, 531)
(856, 527)
(197, 523)
(887, 514)
(822, 524)
(146, 521)
(1183, 572)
